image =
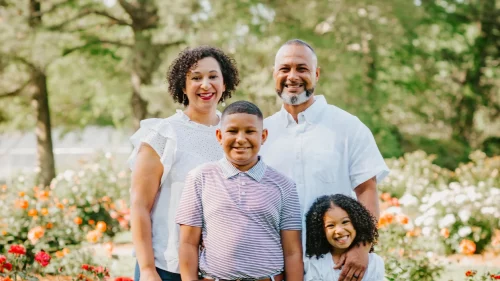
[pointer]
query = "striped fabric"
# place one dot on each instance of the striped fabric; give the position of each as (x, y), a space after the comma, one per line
(241, 215)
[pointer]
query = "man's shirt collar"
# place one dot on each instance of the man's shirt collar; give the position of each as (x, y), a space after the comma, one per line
(311, 114)
(256, 172)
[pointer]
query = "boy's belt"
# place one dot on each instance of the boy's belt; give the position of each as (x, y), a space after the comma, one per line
(279, 277)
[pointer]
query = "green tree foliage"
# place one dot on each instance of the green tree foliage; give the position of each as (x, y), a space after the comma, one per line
(421, 74)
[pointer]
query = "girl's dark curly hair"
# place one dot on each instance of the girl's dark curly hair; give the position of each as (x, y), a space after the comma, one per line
(363, 222)
(188, 59)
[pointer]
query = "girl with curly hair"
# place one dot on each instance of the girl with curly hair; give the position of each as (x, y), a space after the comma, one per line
(334, 224)
(165, 150)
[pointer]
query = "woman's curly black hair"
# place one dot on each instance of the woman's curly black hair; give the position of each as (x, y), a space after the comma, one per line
(363, 222)
(188, 58)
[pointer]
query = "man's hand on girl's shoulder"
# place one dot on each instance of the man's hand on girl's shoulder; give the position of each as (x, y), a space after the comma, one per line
(354, 263)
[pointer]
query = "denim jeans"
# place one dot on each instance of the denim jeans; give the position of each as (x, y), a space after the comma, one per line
(164, 275)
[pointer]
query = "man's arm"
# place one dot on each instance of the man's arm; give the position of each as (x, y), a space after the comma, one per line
(189, 243)
(145, 183)
(292, 252)
(368, 196)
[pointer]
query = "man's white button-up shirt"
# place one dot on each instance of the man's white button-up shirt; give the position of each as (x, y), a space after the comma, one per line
(328, 151)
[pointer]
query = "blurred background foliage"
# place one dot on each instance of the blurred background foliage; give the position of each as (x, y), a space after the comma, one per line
(421, 74)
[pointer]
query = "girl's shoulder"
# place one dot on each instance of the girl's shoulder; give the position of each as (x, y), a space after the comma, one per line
(319, 269)
(376, 268)
(375, 259)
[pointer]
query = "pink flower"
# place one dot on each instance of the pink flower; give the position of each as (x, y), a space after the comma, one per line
(42, 258)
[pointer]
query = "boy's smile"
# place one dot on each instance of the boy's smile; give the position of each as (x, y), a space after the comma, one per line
(241, 136)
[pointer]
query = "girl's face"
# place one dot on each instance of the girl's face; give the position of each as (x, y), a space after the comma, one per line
(339, 230)
(204, 85)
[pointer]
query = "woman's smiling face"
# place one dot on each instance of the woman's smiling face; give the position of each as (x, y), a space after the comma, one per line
(204, 84)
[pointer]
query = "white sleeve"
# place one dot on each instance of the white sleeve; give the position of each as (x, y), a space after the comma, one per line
(318, 269)
(365, 161)
(157, 133)
(376, 268)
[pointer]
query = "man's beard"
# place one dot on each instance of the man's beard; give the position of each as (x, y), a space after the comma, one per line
(295, 99)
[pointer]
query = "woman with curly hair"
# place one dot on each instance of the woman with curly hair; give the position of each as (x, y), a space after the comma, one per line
(334, 224)
(165, 150)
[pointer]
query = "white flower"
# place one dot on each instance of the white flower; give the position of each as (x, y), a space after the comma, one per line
(393, 210)
(426, 231)
(464, 231)
(464, 215)
(447, 221)
(488, 210)
(432, 212)
(420, 220)
(68, 175)
(408, 200)
(108, 155)
(429, 221)
(460, 199)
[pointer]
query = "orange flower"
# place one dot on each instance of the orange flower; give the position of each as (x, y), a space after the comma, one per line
(395, 202)
(385, 219)
(470, 273)
(4, 187)
(60, 206)
(385, 196)
(413, 233)
(44, 211)
(467, 247)
(78, 220)
(59, 254)
(402, 219)
(35, 234)
(101, 226)
(94, 236)
(106, 199)
(65, 251)
(4, 232)
(445, 232)
(32, 212)
(5, 278)
(21, 193)
(43, 195)
(49, 225)
(23, 204)
(91, 222)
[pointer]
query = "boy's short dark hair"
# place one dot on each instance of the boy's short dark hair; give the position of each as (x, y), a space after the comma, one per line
(242, 107)
(363, 222)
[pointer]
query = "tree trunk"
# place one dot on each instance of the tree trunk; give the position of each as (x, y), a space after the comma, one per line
(476, 91)
(45, 154)
(139, 105)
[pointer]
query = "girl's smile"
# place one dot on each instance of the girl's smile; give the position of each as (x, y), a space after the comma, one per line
(339, 230)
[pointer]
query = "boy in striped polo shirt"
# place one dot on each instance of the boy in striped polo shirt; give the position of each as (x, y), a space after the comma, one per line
(246, 213)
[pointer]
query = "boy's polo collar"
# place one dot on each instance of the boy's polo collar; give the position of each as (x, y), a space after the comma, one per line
(311, 114)
(256, 172)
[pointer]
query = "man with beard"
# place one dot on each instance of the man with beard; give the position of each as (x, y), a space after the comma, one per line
(323, 148)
